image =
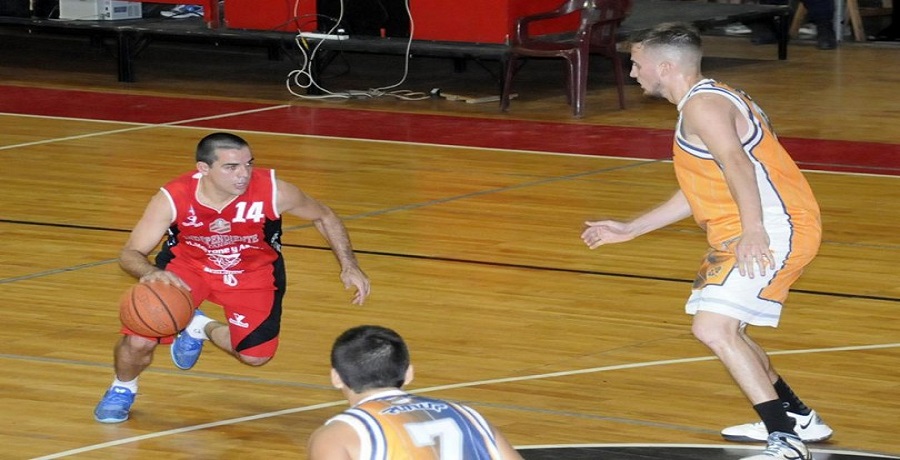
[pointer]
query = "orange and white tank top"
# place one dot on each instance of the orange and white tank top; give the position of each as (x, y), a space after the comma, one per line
(787, 199)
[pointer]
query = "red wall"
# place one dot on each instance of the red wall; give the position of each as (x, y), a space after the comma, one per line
(481, 21)
(477, 21)
(271, 15)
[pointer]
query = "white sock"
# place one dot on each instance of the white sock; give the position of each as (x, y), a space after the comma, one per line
(131, 384)
(197, 327)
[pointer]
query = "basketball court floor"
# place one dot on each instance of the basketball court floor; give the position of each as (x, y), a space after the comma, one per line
(468, 226)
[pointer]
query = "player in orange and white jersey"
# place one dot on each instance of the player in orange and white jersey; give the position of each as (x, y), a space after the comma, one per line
(370, 364)
(761, 220)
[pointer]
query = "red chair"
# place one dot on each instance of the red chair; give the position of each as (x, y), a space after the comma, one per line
(596, 34)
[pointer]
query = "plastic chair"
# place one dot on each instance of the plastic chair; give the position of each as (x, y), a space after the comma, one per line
(596, 34)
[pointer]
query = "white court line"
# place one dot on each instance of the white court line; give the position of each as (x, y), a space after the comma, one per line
(140, 126)
(443, 387)
(667, 159)
(136, 127)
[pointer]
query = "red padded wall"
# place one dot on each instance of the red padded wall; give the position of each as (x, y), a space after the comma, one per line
(271, 14)
(474, 21)
(478, 21)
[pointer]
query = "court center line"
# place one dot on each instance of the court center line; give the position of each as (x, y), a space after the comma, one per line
(295, 410)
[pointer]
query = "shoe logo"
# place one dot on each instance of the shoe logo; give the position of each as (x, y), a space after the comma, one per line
(238, 321)
(809, 421)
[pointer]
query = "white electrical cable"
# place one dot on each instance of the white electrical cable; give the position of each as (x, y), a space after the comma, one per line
(303, 77)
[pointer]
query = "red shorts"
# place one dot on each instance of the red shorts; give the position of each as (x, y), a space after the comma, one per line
(253, 315)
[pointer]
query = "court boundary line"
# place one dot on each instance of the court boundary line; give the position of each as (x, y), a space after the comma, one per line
(237, 420)
(181, 124)
(140, 126)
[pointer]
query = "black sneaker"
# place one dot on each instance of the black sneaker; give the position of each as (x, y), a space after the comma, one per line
(825, 38)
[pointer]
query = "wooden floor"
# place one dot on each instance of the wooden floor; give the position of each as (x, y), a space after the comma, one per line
(474, 256)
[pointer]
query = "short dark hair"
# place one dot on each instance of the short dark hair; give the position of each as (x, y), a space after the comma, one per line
(678, 34)
(206, 148)
(369, 357)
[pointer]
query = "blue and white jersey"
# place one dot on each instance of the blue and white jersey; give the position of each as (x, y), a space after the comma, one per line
(395, 425)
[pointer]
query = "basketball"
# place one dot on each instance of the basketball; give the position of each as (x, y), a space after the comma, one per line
(155, 309)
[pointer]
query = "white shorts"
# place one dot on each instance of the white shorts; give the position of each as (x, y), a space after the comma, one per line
(720, 288)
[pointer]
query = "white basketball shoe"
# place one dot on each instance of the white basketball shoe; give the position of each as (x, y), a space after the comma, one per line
(810, 428)
(783, 446)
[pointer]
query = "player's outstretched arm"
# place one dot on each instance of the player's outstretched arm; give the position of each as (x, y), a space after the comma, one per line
(603, 232)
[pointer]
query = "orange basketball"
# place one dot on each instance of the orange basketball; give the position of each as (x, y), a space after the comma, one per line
(156, 309)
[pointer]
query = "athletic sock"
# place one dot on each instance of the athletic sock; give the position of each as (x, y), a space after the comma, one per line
(774, 417)
(789, 400)
(132, 385)
(197, 327)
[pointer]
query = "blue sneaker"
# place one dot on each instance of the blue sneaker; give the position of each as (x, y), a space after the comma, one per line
(183, 11)
(114, 406)
(185, 349)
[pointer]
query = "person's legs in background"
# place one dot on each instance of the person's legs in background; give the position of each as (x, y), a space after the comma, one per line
(892, 31)
(763, 32)
(821, 13)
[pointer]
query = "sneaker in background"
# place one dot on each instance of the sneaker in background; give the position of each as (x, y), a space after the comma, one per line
(183, 11)
(737, 28)
(807, 31)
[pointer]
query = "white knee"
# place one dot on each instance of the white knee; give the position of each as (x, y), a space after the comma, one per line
(713, 333)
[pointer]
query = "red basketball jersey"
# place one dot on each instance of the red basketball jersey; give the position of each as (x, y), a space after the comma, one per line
(235, 246)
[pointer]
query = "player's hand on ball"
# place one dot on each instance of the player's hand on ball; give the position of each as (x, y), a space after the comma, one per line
(164, 276)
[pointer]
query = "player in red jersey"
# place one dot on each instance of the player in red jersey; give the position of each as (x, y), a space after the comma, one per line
(222, 225)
